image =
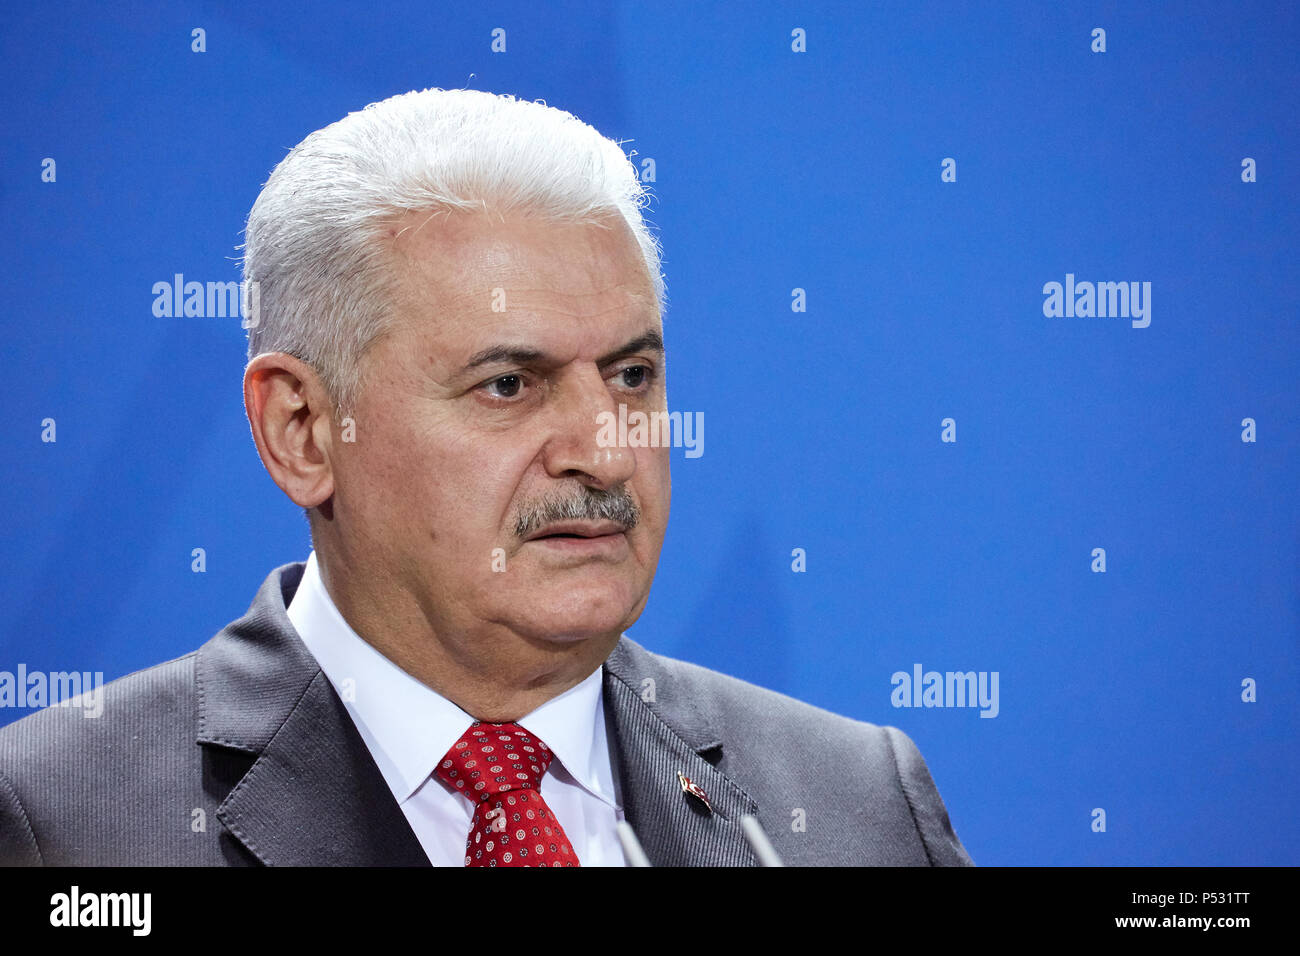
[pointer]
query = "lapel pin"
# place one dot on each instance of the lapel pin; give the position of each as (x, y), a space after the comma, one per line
(694, 790)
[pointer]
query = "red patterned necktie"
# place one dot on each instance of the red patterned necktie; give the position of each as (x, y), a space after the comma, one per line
(500, 768)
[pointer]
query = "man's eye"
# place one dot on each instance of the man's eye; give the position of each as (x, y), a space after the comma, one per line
(507, 386)
(635, 376)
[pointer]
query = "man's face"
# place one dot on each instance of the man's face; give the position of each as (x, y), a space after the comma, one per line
(477, 424)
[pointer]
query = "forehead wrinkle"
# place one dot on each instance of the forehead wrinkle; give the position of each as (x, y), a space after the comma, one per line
(477, 304)
(461, 246)
(430, 265)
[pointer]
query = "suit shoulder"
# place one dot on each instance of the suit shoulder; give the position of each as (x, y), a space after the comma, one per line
(151, 702)
(781, 749)
(740, 704)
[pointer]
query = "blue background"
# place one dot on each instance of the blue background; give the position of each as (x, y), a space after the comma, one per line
(775, 170)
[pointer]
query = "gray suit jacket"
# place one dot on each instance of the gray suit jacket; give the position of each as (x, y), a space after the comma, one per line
(241, 753)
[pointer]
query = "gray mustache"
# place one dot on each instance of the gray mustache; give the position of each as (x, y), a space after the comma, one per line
(589, 505)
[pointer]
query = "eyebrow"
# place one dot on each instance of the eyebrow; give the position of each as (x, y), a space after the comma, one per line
(649, 340)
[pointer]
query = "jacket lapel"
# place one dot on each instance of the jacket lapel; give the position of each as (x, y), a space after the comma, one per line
(313, 796)
(661, 726)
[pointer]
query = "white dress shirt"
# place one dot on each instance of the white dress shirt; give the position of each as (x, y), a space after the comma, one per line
(409, 728)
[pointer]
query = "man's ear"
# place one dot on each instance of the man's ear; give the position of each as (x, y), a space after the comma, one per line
(290, 413)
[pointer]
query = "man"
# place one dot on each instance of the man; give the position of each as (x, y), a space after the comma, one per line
(453, 289)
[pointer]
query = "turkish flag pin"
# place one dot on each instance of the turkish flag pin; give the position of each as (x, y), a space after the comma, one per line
(694, 790)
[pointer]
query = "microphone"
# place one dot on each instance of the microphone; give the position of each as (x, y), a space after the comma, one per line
(758, 841)
(631, 845)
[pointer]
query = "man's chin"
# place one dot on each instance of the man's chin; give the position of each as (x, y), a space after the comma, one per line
(573, 618)
(573, 628)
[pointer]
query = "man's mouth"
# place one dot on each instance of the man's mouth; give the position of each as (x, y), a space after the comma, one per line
(578, 530)
(582, 541)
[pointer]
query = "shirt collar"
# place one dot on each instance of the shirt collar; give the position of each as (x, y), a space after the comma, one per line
(409, 727)
(573, 726)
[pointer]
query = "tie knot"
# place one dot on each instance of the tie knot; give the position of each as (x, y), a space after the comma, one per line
(493, 758)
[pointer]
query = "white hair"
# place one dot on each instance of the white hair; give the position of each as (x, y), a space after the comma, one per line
(325, 285)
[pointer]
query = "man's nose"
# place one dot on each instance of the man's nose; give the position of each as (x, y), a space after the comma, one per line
(577, 447)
